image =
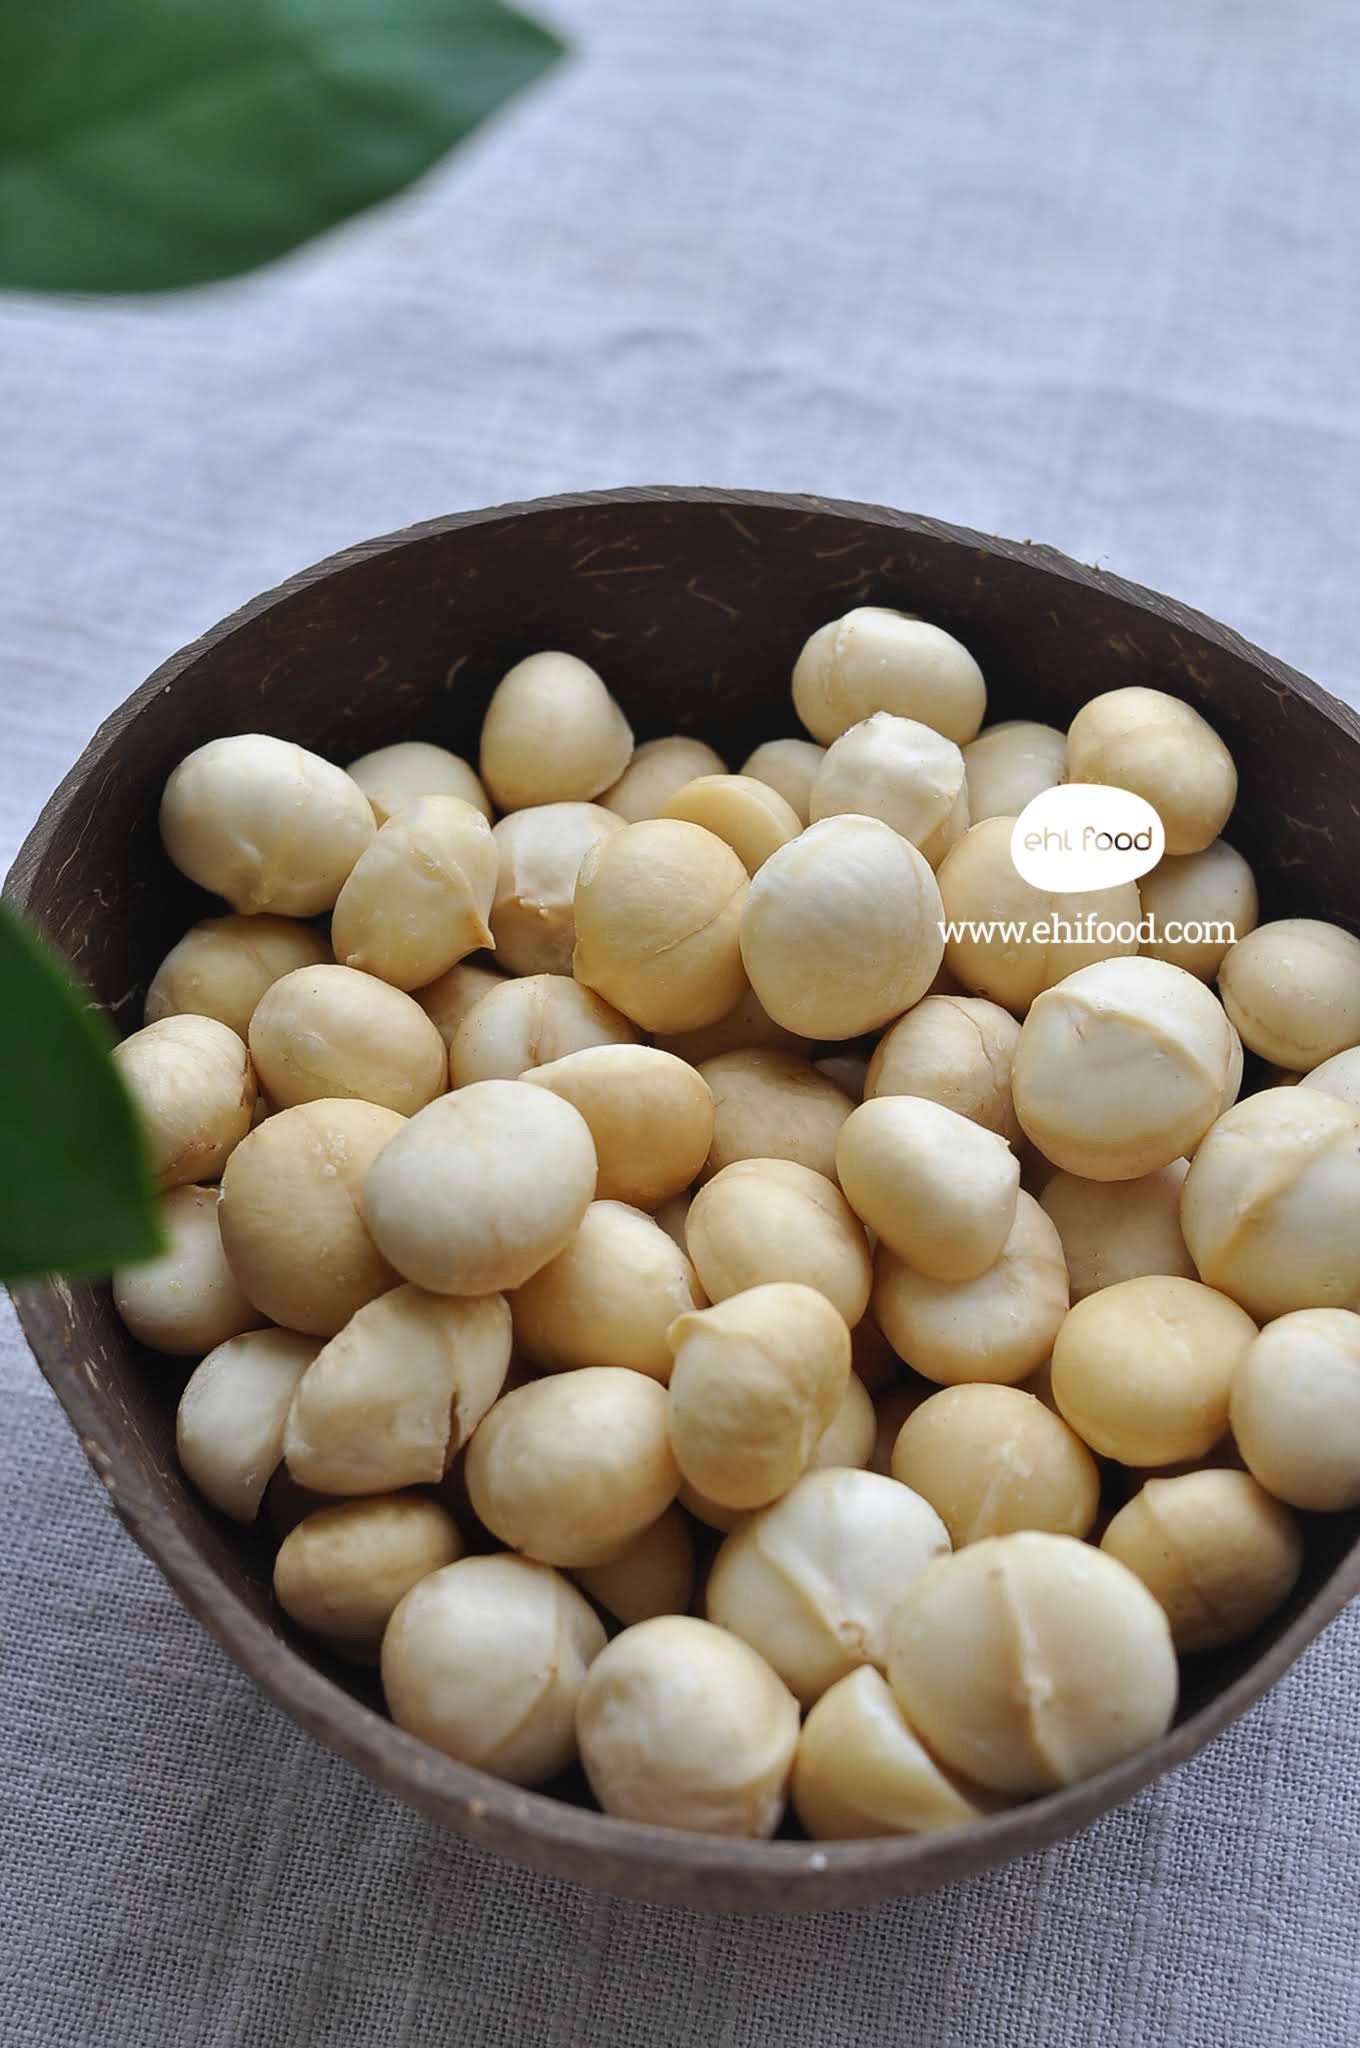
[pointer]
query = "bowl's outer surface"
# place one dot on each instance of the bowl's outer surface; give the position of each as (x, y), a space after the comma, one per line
(692, 604)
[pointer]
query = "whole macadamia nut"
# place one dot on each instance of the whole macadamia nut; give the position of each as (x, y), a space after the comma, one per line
(654, 1575)
(340, 1573)
(650, 1114)
(419, 897)
(998, 1327)
(841, 930)
(902, 772)
(1009, 764)
(1160, 748)
(772, 1105)
(862, 1771)
(330, 1032)
(531, 1022)
(533, 915)
(608, 1298)
(875, 659)
(788, 766)
(393, 778)
(232, 1415)
(1293, 991)
(223, 965)
(485, 1660)
(763, 1220)
(744, 813)
(848, 1439)
(1213, 1549)
(658, 918)
(552, 734)
(954, 1050)
(186, 1300)
(991, 1460)
(936, 1188)
(1295, 1409)
(682, 1725)
(481, 1188)
(1194, 893)
(658, 768)
(447, 999)
(1338, 1076)
(744, 1028)
(1117, 1230)
(194, 1089)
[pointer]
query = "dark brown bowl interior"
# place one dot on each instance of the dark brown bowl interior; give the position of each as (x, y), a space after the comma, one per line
(693, 605)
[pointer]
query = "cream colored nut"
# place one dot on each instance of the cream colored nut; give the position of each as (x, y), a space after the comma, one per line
(194, 1088)
(900, 771)
(847, 1442)
(658, 916)
(420, 896)
(1119, 1229)
(707, 1511)
(290, 1221)
(654, 1575)
(531, 1022)
(1270, 1201)
(848, 1070)
(745, 1028)
(1009, 764)
(1157, 746)
(1032, 1661)
(485, 1661)
(745, 813)
(571, 1469)
(340, 1573)
(788, 766)
(1293, 990)
(764, 1220)
(650, 1114)
(980, 887)
(552, 734)
(683, 1726)
(991, 1460)
(658, 768)
(1143, 1370)
(394, 778)
(936, 1188)
(756, 1381)
(841, 931)
(954, 1050)
(391, 1399)
(608, 1298)
(447, 1000)
(265, 824)
(1213, 887)
(673, 1216)
(1295, 1409)
(232, 1415)
(998, 1327)
(875, 659)
(861, 1771)
(812, 1582)
(222, 966)
(890, 1412)
(1213, 1549)
(481, 1188)
(533, 916)
(186, 1300)
(772, 1105)
(1338, 1076)
(329, 1032)
(1121, 1068)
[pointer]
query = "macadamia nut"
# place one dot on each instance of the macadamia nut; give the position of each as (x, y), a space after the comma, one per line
(746, 814)
(533, 916)
(531, 1022)
(936, 1188)
(223, 965)
(608, 1298)
(772, 1105)
(1293, 991)
(1338, 1076)
(861, 1771)
(1160, 748)
(654, 1575)
(186, 1300)
(745, 1028)
(394, 778)
(763, 1220)
(658, 768)
(900, 771)
(420, 896)
(1213, 1549)
(789, 767)
(1009, 764)
(447, 999)
(329, 1032)
(1117, 1230)
(954, 1050)
(1296, 1409)
(194, 1089)
(1212, 888)
(340, 1573)
(232, 1414)
(875, 659)
(848, 1439)
(658, 917)
(650, 1114)
(998, 1327)
(991, 1460)
(552, 734)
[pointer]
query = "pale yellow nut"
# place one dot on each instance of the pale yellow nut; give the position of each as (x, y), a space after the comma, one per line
(764, 1220)
(936, 1188)
(1197, 892)
(330, 1032)
(650, 1114)
(745, 813)
(890, 1412)
(1216, 1552)
(954, 1050)
(193, 1086)
(447, 999)
(658, 768)
(340, 1573)
(223, 965)
(997, 1328)
(1295, 1409)
(1160, 748)
(654, 1575)
(420, 896)
(772, 1105)
(552, 734)
(875, 659)
(848, 1439)
(673, 1216)
(1009, 764)
(658, 917)
(531, 1022)
(232, 1415)
(902, 772)
(1119, 1229)
(608, 1298)
(991, 1460)
(862, 1771)
(393, 778)
(744, 1028)
(540, 850)
(1338, 1076)
(788, 766)
(186, 1300)
(1293, 991)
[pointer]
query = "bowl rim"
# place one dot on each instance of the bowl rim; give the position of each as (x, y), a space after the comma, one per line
(628, 1858)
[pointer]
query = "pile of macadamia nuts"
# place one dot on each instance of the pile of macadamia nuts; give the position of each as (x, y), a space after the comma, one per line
(675, 1312)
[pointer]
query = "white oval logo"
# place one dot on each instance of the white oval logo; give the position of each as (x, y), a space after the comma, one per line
(1082, 836)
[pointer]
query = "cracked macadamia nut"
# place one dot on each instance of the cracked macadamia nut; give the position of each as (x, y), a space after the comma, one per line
(222, 967)
(812, 1581)
(448, 999)
(186, 1300)
(539, 851)
(194, 1089)
(658, 916)
(1213, 1549)
(650, 1114)
(954, 1050)
(1009, 764)
(485, 1660)
(862, 1771)
(608, 1298)
(744, 813)
(997, 1328)
(1115, 1230)
(340, 1573)
(763, 1220)
(232, 1416)
(1269, 1204)
(419, 897)
(571, 1469)
(841, 930)
(875, 659)
(654, 1575)
(1032, 1661)
(481, 1188)
(1295, 1409)
(1157, 746)
(788, 766)
(900, 771)
(756, 1381)
(552, 734)
(1121, 1068)
(682, 1725)
(1143, 1370)
(265, 824)
(390, 1400)
(394, 778)
(991, 1460)
(290, 1220)
(658, 768)
(1338, 1076)
(1293, 991)
(1213, 887)
(530, 1022)
(933, 1186)
(744, 1028)
(329, 1032)
(772, 1105)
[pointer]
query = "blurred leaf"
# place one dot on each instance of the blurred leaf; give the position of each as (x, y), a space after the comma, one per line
(76, 1194)
(148, 144)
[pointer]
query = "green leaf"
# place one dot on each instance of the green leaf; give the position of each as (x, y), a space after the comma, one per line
(149, 144)
(76, 1195)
